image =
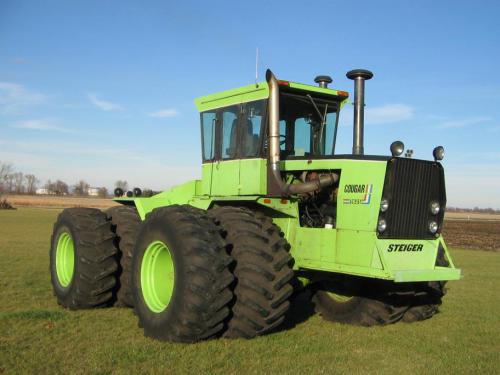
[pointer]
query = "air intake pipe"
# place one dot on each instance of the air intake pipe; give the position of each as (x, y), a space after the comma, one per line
(359, 76)
(274, 147)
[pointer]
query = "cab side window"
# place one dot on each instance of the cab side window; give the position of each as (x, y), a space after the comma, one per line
(233, 132)
(229, 132)
(208, 124)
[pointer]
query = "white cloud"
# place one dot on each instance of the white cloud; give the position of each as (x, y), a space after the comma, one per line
(386, 114)
(103, 104)
(74, 148)
(43, 125)
(15, 97)
(465, 122)
(27, 161)
(164, 113)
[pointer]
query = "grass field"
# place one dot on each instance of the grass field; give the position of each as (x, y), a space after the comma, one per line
(37, 336)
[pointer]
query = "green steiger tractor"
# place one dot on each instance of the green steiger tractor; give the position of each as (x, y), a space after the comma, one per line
(277, 210)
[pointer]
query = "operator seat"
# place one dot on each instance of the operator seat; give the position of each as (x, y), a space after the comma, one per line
(231, 151)
(250, 141)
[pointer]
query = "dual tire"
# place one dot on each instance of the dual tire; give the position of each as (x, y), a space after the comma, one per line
(197, 276)
(83, 262)
(178, 265)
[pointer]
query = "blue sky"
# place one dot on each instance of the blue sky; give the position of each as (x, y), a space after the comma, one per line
(103, 90)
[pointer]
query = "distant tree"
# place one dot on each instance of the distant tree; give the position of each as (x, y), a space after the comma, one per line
(147, 192)
(31, 183)
(61, 188)
(50, 187)
(5, 170)
(81, 188)
(10, 182)
(19, 182)
(103, 192)
(122, 184)
(57, 187)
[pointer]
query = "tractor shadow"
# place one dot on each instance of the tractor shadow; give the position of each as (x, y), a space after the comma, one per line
(301, 309)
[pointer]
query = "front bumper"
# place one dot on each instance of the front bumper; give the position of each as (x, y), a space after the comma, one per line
(417, 260)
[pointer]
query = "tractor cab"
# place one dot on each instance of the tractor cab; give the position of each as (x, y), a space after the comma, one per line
(235, 133)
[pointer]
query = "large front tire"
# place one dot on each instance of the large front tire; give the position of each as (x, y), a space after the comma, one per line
(83, 260)
(427, 300)
(342, 301)
(262, 271)
(180, 275)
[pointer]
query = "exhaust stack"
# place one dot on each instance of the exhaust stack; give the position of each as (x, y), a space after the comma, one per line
(323, 81)
(274, 148)
(359, 76)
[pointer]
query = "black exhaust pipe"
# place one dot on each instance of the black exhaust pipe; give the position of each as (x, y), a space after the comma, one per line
(359, 76)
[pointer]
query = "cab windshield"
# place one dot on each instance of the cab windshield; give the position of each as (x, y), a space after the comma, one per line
(308, 125)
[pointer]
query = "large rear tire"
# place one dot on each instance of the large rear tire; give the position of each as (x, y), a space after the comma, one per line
(83, 262)
(180, 275)
(125, 223)
(262, 271)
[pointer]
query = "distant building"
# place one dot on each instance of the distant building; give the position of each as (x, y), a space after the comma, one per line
(42, 191)
(93, 191)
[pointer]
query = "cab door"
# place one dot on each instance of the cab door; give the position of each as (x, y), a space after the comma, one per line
(226, 168)
(208, 149)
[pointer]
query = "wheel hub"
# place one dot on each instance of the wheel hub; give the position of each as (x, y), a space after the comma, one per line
(157, 276)
(65, 259)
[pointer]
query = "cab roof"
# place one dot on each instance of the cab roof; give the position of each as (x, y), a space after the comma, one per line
(259, 91)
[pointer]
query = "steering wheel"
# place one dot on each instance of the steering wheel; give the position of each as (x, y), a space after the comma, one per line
(282, 139)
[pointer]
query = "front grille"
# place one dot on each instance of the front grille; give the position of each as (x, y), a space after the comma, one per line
(410, 186)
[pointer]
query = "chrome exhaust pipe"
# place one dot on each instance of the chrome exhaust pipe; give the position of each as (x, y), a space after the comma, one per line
(274, 147)
(359, 76)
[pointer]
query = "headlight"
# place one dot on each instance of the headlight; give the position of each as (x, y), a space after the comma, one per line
(438, 153)
(435, 208)
(397, 148)
(433, 227)
(382, 225)
(384, 205)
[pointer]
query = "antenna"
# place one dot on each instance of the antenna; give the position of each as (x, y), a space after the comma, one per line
(257, 67)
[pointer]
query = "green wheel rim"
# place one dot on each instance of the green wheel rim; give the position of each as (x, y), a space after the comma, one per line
(65, 259)
(339, 297)
(157, 276)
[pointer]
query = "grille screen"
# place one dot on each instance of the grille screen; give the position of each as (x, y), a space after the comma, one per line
(410, 186)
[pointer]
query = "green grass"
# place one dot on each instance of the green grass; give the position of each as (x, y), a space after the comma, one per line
(37, 336)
